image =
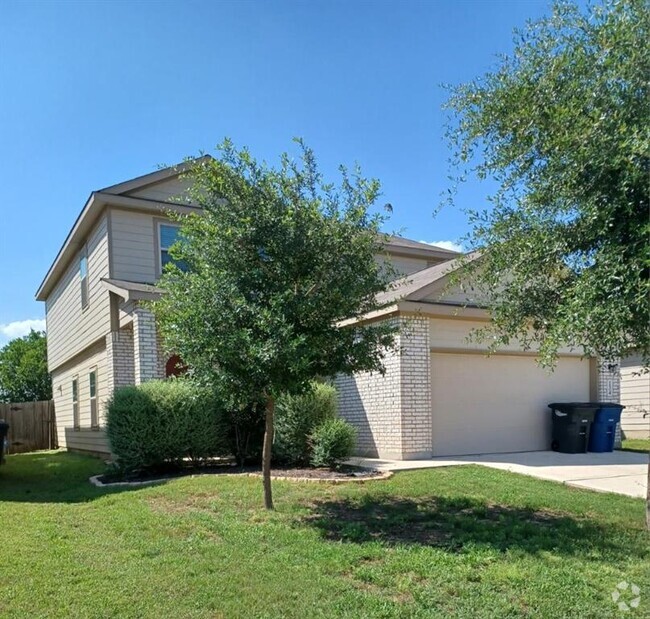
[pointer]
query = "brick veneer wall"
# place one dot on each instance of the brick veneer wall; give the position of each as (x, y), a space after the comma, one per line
(120, 359)
(145, 346)
(415, 381)
(609, 387)
(392, 413)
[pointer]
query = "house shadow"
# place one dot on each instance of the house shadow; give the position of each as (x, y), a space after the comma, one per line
(453, 524)
(53, 477)
(355, 411)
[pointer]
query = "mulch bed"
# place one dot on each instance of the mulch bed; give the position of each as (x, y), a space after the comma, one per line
(344, 473)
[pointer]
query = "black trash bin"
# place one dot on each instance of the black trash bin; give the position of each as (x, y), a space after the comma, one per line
(4, 431)
(571, 425)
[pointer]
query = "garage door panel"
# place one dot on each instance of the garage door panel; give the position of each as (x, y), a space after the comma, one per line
(498, 404)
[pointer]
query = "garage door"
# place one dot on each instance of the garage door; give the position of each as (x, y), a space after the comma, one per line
(498, 404)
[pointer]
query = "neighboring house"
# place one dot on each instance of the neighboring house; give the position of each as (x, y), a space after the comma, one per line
(635, 395)
(100, 336)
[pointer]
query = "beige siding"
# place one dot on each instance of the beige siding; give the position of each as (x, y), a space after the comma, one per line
(464, 294)
(85, 438)
(405, 265)
(71, 329)
(454, 334)
(635, 396)
(133, 246)
(166, 191)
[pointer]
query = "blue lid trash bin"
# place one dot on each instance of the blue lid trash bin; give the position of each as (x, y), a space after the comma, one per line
(571, 425)
(603, 429)
(4, 431)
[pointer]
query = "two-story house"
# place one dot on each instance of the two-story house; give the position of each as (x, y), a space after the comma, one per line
(440, 394)
(99, 334)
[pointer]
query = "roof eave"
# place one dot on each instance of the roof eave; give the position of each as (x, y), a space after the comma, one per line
(92, 207)
(421, 252)
(128, 294)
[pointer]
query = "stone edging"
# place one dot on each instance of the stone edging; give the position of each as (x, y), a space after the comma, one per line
(94, 480)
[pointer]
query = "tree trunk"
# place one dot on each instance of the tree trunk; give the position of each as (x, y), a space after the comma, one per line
(266, 452)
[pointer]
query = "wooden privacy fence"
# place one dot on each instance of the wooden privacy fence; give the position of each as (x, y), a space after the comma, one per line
(32, 425)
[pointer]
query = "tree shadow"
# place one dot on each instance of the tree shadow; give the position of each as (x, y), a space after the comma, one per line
(453, 524)
(52, 477)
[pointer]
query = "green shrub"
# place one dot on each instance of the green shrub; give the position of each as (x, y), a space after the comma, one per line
(296, 417)
(163, 422)
(331, 442)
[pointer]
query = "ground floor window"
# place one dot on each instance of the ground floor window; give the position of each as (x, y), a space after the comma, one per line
(92, 384)
(75, 403)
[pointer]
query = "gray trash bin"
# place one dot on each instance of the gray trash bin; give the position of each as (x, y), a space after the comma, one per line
(4, 431)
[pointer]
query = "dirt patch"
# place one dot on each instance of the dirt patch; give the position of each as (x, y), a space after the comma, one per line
(191, 503)
(341, 474)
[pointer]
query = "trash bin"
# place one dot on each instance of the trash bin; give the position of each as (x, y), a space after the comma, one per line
(571, 425)
(4, 431)
(603, 429)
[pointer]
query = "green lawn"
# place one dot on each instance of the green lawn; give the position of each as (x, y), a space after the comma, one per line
(449, 542)
(636, 444)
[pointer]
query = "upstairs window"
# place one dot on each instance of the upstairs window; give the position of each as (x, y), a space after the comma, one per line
(167, 236)
(83, 276)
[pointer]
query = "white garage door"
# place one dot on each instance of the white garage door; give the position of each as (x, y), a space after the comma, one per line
(498, 404)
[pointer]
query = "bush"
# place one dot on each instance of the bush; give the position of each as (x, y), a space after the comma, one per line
(331, 442)
(296, 418)
(162, 422)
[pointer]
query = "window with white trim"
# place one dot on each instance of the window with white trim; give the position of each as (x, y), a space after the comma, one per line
(167, 236)
(92, 386)
(75, 403)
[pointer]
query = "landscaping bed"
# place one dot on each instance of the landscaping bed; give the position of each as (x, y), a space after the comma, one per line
(340, 474)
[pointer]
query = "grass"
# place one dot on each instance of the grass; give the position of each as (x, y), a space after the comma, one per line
(448, 542)
(636, 444)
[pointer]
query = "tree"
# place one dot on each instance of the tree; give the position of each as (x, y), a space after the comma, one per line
(563, 126)
(23, 369)
(276, 261)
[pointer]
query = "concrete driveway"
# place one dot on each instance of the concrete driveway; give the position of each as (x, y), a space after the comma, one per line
(621, 472)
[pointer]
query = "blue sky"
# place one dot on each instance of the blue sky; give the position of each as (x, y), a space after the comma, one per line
(94, 93)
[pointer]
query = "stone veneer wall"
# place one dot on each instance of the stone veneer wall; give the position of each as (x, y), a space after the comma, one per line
(392, 413)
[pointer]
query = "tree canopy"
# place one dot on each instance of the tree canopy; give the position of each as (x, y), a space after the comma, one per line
(563, 126)
(276, 260)
(23, 369)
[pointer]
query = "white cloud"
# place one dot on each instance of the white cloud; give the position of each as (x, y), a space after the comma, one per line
(451, 245)
(18, 328)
